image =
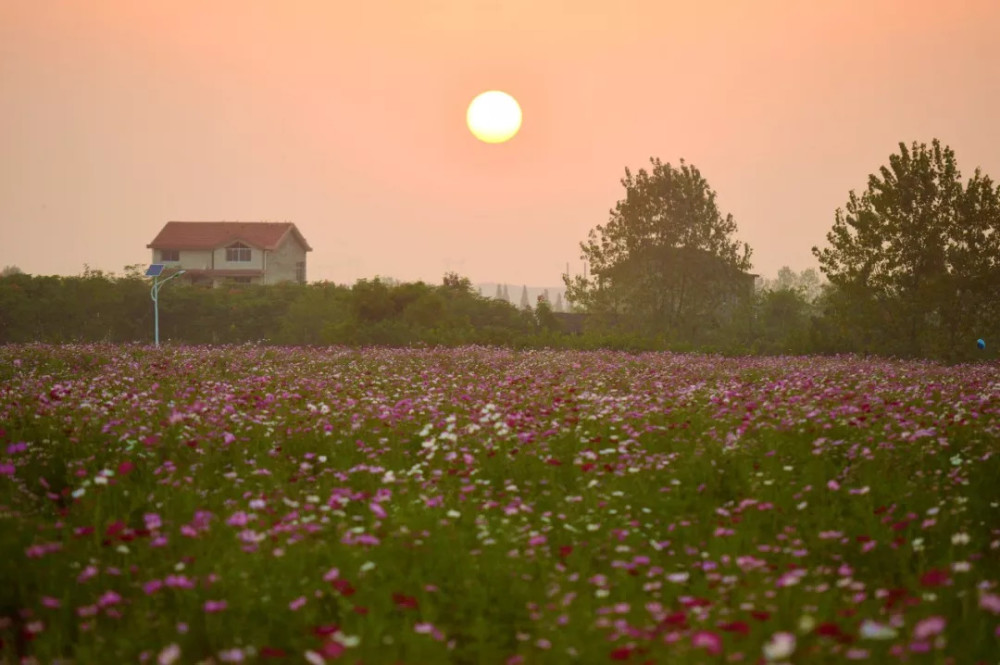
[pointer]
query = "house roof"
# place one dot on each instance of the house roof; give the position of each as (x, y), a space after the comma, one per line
(212, 235)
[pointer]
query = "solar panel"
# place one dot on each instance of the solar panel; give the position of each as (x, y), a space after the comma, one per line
(154, 270)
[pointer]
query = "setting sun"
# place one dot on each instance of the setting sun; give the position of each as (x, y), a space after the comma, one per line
(494, 117)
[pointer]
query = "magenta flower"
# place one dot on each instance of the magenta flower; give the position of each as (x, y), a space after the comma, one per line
(212, 606)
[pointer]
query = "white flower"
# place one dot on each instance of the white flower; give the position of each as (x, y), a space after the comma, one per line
(870, 630)
(169, 655)
(960, 539)
(780, 646)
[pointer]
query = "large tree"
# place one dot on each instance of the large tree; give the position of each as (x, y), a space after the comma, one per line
(665, 261)
(915, 257)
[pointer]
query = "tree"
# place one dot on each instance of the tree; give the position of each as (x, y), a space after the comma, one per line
(506, 294)
(807, 283)
(10, 270)
(499, 294)
(665, 261)
(559, 302)
(455, 282)
(916, 256)
(525, 303)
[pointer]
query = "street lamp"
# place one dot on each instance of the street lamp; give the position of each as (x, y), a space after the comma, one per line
(154, 271)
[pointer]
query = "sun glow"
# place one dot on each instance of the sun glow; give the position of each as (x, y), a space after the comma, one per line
(494, 117)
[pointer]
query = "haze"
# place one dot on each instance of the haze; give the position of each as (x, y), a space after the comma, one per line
(348, 120)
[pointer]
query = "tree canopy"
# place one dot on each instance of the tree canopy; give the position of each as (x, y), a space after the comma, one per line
(915, 258)
(666, 260)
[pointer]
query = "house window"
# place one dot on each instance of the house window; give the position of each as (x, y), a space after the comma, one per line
(167, 255)
(300, 272)
(238, 252)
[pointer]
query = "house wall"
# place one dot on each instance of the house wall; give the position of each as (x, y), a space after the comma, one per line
(281, 263)
(256, 261)
(193, 259)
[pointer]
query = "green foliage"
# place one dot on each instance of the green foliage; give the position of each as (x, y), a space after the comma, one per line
(916, 256)
(665, 261)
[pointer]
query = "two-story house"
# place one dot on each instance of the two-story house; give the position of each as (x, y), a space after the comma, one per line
(216, 253)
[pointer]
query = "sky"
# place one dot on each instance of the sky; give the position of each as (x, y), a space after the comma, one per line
(348, 119)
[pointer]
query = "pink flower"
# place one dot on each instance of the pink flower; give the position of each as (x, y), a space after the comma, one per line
(833, 485)
(297, 603)
(990, 602)
(153, 521)
(929, 627)
(49, 601)
(152, 586)
(6, 469)
(212, 606)
(109, 598)
(707, 640)
(239, 518)
(86, 574)
(425, 628)
(378, 510)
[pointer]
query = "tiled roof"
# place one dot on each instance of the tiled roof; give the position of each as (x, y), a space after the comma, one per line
(211, 235)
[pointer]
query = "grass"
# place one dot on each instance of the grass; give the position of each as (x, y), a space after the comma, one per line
(481, 505)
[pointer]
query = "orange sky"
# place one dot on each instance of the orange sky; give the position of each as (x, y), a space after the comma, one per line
(347, 118)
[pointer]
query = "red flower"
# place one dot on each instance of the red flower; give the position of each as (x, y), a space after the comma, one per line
(404, 602)
(760, 615)
(934, 577)
(328, 629)
(125, 467)
(332, 649)
(270, 652)
(343, 586)
(696, 602)
(565, 551)
(675, 619)
(740, 627)
(621, 653)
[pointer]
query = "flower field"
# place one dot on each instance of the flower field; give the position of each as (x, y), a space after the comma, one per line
(476, 505)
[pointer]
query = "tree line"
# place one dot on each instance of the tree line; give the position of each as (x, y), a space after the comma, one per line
(912, 269)
(912, 263)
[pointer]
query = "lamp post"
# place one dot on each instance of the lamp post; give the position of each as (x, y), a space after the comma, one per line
(155, 271)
